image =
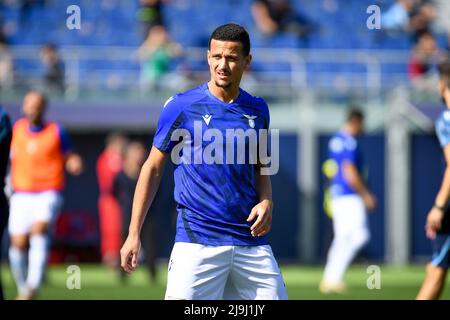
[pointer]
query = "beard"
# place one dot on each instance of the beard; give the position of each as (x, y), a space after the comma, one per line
(222, 84)
(443, 100)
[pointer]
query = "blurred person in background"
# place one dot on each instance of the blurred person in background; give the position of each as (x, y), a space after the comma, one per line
(124, 186)
(273, 16)
(5, 143)
(6, 66)
(425, 56)
(412, 16)
(396, 18)
(109, 164)
(423, 62)
(437, 226)
(350, 198)
(40, 151)
(421, 18)
(150, 15)
(54, 73)
(157, 53)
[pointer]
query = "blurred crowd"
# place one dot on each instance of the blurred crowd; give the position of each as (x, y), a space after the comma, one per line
(161, 57)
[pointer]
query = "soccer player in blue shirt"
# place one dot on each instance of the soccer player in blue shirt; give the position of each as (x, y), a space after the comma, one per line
(224, 209)
(350, 198)
(438, 220)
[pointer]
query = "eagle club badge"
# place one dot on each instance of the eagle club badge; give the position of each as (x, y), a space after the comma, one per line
(251, 120)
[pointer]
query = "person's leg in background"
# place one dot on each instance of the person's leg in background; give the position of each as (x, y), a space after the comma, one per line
(4, 214)
(433, 284)
(436, 271)
(110, 230)
(19, 228)
(350, 235)
(37, 256)
(149, 245)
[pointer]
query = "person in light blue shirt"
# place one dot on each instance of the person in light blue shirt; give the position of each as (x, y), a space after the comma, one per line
(438, 220)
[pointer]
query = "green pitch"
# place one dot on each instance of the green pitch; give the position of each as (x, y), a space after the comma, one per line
(98, 282)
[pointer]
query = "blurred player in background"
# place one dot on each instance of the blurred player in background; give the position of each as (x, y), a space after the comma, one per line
(438, 220)
(40, 150)
(350, 198)
(5, 143)
(219, 252)
(109, 165)
(124, 186)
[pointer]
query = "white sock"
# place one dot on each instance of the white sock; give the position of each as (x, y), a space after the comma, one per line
(37, 260)
(17, 261)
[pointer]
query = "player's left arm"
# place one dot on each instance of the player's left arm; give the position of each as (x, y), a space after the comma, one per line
(263, 210)
(436, 214)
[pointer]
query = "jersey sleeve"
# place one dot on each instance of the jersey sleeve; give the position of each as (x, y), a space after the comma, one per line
(170, 119)
(66, 143)
(443, 131)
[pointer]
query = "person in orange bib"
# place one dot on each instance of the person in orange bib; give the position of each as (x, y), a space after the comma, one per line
(40, 151)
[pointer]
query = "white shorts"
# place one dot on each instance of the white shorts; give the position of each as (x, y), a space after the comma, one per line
(28, 208)
(349, 214)
(199, 272)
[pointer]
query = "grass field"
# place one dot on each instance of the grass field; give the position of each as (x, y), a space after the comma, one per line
(98, 282)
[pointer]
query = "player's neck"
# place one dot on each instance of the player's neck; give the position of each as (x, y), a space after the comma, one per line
(227, 95)
(36, 123)
(349, 130)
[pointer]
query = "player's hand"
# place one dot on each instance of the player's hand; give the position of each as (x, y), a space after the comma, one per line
(370, 201)
(74, 164)
(434, 222)
(263, 212)
(129, 253)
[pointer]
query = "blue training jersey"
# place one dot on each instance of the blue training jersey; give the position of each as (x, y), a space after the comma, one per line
(443, 128)
(213, 200)
(343, 147)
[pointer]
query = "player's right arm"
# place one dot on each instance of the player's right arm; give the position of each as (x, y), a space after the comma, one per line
(436, 214)
(355, 181)
(146, 188)
(170, 119)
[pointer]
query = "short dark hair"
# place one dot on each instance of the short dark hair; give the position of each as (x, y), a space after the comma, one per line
(444, 72)
(232, 32)
(355, 113)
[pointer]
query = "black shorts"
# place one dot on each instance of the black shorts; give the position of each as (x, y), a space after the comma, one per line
(441, 245)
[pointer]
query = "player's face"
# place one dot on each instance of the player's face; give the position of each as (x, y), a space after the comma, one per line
(33, 107)
(359, 126)
(227, 63)
(136, 155)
